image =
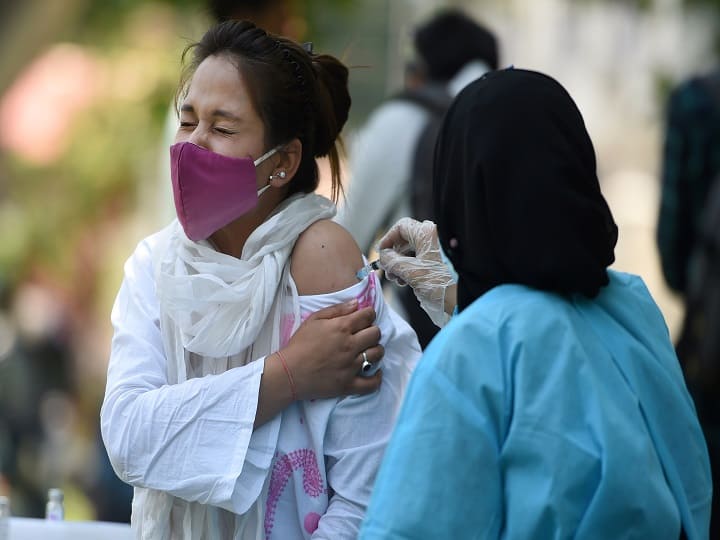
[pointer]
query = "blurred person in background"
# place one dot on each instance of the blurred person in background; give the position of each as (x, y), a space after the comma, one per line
(39, 400)
(391, 161)
(44, 440)
(552, 405)
(688, 239)
(235, 403)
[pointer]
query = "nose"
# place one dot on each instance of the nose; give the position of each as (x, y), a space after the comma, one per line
(198, 137)
(192, 135)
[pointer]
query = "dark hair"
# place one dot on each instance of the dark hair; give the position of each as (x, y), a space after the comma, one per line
(450, 40)
(296, 93)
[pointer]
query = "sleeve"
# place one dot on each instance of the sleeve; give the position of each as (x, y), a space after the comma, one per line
(359, 428)
(674, 230)
(380, 164)
(441, 475)
(189, 439)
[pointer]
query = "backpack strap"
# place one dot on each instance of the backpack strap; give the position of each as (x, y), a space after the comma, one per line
(435, 100)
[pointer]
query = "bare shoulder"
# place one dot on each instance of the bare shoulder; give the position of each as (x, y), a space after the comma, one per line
(325, 259)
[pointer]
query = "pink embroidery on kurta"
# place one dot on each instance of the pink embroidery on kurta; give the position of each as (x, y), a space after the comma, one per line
(311, 522)
(313, 485)
(367, 296)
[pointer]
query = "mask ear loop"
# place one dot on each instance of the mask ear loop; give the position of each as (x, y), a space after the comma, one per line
(266, 155)
(262, 158)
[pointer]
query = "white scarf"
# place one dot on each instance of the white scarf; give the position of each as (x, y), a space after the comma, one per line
(218, 312)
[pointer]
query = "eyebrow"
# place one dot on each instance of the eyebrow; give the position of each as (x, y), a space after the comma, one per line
(217, 112)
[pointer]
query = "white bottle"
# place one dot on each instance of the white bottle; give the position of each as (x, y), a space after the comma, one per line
(4, 518)
(55, 511)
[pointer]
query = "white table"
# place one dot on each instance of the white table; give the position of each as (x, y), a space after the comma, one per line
(40, 529)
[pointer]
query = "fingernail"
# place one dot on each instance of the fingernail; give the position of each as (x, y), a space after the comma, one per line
(352, 303)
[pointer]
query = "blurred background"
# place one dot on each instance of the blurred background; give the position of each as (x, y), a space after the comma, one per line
(85, 93)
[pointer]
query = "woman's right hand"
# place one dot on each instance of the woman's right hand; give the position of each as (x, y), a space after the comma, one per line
(325, 354)
(410, 254)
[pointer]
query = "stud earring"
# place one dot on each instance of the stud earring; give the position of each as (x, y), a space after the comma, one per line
(281, 175)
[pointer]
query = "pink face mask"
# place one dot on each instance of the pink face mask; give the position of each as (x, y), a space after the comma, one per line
(210, 189)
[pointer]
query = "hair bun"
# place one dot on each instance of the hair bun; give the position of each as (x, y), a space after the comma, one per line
(333, 101)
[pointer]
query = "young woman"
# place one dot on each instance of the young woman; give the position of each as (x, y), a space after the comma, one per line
(224, 409)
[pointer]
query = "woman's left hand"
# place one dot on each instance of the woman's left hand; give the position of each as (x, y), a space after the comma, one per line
(326, 353)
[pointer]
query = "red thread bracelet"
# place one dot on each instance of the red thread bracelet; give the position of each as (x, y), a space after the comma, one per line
(289, 375)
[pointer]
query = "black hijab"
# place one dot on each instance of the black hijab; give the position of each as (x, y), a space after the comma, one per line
(517, 199)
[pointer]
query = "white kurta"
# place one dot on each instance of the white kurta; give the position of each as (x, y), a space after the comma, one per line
(195, 441)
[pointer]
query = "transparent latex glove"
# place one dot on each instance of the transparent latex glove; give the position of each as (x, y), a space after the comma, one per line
(410, 254)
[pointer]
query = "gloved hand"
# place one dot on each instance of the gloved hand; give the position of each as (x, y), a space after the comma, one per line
(410, 254)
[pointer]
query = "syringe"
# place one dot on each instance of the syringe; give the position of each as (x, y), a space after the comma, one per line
(369, 267)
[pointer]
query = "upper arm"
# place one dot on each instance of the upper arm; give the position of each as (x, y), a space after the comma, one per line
(325, 259)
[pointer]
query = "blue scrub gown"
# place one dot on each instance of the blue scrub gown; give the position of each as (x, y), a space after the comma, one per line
(533, 415)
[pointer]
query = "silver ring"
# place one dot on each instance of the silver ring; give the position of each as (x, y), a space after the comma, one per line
(367, 364)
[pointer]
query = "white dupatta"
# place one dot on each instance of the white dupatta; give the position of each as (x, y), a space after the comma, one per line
(218, 312)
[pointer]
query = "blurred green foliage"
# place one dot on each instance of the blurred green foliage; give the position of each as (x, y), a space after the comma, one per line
(709, 3)
(51, 208)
